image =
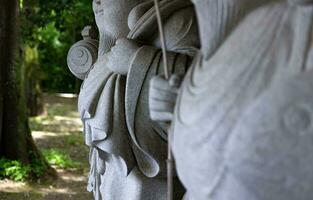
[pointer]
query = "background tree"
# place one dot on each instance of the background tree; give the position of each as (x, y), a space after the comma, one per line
(48, 32)
(35, 36)
(16, 142)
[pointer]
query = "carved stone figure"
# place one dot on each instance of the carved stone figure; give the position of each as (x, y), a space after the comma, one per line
(128, 150)
(272, 42)
(269, 153)
(83, 54)
(217, 19)
(232, 73)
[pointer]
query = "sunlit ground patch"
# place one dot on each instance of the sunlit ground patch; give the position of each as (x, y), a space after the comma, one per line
(58, 134)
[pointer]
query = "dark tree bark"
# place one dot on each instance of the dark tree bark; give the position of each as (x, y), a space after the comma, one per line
(16, 142)
(13, 137)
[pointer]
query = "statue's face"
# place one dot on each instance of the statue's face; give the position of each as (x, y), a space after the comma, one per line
(111, 16)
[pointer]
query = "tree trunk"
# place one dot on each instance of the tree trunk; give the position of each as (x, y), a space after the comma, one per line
(13, 137)
(1, 81)
(16, 142)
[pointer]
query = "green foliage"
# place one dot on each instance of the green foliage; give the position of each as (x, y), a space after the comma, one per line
(50, 28)
(16, 171)
(31, 57)
(13, 170)
(31, 77)
(57, 158)
(62, 110)
(38, 166)
(35, 123)
(74, 140)
(49, 35)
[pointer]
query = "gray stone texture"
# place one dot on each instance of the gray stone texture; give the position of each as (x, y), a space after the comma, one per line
(272, 42)
(269, 153)
(128, 149)
(240, 107)
(83, 54)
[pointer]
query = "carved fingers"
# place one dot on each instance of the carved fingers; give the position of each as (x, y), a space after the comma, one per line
(162, 97)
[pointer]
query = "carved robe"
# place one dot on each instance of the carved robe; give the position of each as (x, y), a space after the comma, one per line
(271, 42)
(128, 151)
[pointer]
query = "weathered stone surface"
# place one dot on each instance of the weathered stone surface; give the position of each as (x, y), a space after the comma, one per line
(242, 124)
(128, 150)
(270, 43)
(269, 153)
(83, 54)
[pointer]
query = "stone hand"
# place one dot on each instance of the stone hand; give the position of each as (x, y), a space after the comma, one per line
(121, 55)
(162, 97)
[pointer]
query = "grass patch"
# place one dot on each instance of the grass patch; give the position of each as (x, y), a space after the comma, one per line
(59, 159)
(17, 171)
(62, 110)
(13, 170)
(76, 139)
(58, 128)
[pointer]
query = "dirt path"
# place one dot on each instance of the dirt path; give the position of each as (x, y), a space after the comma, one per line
(59, 128)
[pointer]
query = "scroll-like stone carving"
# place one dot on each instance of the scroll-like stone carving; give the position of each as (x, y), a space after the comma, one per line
(83, 54)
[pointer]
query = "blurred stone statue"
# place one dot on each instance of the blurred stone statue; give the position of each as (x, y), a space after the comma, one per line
(128, 149)
(217, 19)
(242, 125)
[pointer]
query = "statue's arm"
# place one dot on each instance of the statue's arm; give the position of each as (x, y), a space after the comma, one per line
(121, 55)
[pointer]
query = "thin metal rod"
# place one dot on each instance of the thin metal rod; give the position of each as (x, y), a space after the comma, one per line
(169, 160)
(162, 38)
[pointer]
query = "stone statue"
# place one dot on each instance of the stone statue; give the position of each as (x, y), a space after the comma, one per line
(219, 150)
(83, 54)
(128, 149)
(269, 153)
(217, 20)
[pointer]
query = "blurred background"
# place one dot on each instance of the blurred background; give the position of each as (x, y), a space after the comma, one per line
(42, 151)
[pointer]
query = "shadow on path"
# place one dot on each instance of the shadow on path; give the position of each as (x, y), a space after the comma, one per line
(58, 128)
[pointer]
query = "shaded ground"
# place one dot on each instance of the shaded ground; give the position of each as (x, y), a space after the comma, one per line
(59, 128)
